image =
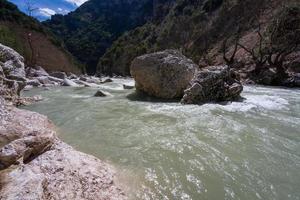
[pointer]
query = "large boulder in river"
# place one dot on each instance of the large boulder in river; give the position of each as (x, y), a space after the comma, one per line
(164, 74)
(212, 84)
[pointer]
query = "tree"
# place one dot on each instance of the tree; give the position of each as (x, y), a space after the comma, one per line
(30, 8)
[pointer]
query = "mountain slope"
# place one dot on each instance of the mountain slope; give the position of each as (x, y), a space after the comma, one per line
(32, 40)
(197, 28)
(91, 29)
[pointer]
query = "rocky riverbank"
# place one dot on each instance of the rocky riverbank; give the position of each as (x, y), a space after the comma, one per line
(34, 162)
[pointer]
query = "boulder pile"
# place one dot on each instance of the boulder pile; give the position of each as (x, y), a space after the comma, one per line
(170, 75)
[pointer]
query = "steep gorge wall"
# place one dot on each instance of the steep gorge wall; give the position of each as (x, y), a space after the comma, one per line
(196, 27)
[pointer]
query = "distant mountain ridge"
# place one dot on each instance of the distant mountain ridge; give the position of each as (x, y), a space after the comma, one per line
(106, 35)
(92, 28)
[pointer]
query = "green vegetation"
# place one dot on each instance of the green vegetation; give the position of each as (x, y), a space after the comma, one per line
(15, 27)
(92, 28)
(193, 26)
(9, 38)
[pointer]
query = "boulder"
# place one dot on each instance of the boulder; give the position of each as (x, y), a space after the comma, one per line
(12, 63)
(39, 166)
(293, 80)
(44, 80)
(68, 82)
(164, 74)
(60, 75)
(101, 93)
(108, 80)
(33, 82)
(212, 84)
(36, 71)
(72, 76)
(83, 78)
(54, 79)
(128, 87)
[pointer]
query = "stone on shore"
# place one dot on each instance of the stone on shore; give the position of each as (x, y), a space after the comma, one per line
(212, 84)
(68, 82)
(33, 82)
(164, 74)
(44, 80)
(36, 71)
(60, 75)
(12, 63)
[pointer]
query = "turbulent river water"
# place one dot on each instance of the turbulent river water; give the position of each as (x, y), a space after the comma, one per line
(163, 150)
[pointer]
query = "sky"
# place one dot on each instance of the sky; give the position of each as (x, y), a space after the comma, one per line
(46, 8)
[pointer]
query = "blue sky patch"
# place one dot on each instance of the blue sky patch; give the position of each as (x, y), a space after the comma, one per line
(46, 8)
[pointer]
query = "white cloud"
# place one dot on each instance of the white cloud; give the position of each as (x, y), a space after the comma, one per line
(62, 11)
(76, 2)
(47, 12)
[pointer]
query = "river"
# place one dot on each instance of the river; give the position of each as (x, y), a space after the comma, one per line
(164, 150)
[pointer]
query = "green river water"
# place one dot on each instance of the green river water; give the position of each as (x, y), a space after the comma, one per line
(163, 150)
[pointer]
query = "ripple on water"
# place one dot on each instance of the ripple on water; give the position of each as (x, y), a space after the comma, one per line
(243, 150)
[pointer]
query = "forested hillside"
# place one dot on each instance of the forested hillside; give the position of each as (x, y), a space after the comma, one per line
(31, 39)
(93, 27)
(199, 28)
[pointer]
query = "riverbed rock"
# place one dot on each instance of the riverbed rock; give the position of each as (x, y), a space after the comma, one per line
(44, 80)
(107, 80)
(56, 80)
(33, 82)
(60, 75)
(71, 75)
(128, 87)
(36, 71)
(68, 82)
(164, 74)
(101, 93)
(39, 166)
(212, 84)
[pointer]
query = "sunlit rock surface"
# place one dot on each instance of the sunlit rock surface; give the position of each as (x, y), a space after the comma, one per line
(164, 74)
(37, 165)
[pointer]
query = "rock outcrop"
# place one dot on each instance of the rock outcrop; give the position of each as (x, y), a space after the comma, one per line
(12, 74)
(12, 63)
(39, 166)
(164, 74)
(212, 84)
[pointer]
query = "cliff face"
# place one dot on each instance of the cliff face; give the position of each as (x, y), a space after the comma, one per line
(197, 28)
(33, 41)
(91, 29)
